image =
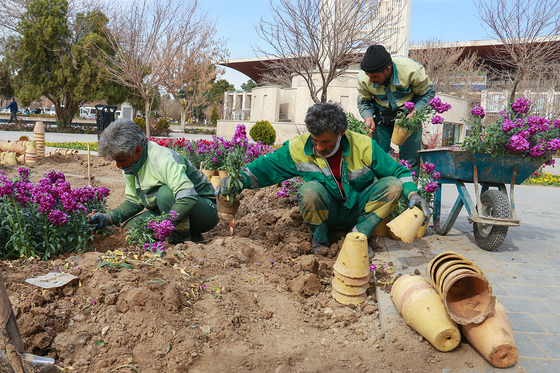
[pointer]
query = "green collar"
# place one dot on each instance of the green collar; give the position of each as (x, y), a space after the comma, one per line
(140, 161)
(308, 148)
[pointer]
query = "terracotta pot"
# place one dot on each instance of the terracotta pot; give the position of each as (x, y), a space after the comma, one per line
(348, 299)
(208, 173)
(399, 135)
(9, 159)
(351, 281)
(381, 230)
(222, 174)
(406, 225)
(345, 289)
(215, 181)
(422, 309)
(227, 210)
(467, 296)
(493, 338)
(422, 230)
(39, 137)
(353, 260)
(437, 261)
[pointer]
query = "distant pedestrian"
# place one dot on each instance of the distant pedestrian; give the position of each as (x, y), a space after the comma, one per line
(13, 109)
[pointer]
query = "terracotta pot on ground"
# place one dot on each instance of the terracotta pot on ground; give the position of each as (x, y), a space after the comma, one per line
(39, 137)
(208, 173)
(381, 230)
(493, 338)
(215, 181)
(422, 309)
(227, 210)
(222, 174)
(399, 135)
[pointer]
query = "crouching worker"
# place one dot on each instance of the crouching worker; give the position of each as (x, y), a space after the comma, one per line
(350, 182)
(157, 179)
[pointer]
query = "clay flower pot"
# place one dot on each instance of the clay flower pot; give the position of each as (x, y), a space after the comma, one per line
(381, 230)
(422, 309)
(227, 209)
(208, 173)
(399, 135)
(215, 181)
(222, 174)
(406, 225)
(353, 260)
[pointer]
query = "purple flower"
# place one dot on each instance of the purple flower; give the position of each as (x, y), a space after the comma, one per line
(58, 217)
(428, 167)
(436, 175)
(550, 162)
(508, 125)
(554, 144)
(522, 105)
(409, 106)
(538, 150)
(518, 144)
(557, 123)
(404, 162)
(478, 111)
(437, 119)
(431, 187)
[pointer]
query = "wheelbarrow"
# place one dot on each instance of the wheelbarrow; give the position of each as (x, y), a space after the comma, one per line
(15, 360)
(494, 211)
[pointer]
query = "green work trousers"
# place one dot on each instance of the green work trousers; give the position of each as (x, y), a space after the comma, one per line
(408, 150)
(202, 218)
(321, 211)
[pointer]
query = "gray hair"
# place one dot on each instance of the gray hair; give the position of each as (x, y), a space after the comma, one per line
(121, 138)
(326, 117)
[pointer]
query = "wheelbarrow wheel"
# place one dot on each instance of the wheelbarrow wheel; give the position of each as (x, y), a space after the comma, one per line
(494, 204)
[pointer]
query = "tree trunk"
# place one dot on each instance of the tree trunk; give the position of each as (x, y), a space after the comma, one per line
(65, 115)
(147, 114)
(513, 89)
(183, 110)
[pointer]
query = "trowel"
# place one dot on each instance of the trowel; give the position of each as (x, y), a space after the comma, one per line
(14, 359)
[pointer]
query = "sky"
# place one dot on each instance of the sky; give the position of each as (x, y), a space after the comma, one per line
(447, 20)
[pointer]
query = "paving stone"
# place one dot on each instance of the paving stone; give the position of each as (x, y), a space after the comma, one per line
(525, 305)
(520, 290)
(521, 322)
(528, 348)
(552, 323)
(539, 366)
(537, 279)
(549, 343)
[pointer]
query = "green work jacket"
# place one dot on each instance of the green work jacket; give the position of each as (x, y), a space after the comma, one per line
(159, 166)
(409, 83)
(363, 161)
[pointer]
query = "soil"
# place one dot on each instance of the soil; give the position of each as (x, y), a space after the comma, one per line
(254, 301)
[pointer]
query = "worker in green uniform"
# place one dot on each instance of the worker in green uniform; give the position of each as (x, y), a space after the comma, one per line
(157, 179)
(350, 182)
(384, 85)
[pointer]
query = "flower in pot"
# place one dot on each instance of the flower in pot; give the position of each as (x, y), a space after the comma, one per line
(516, 131)
(405, 125)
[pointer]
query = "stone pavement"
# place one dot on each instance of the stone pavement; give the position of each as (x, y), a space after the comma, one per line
(524, 273)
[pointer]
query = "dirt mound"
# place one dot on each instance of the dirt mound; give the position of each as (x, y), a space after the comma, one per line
(255, 301)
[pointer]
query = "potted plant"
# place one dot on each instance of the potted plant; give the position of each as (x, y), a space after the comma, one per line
(234, 162)
(405, 126)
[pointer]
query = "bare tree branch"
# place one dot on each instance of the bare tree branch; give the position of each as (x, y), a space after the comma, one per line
(319, 39)
(528, 30)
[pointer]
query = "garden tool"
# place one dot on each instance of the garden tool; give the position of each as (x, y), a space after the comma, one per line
(15, 360)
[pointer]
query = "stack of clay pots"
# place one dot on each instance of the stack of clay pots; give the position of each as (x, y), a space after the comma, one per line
(462, 286)
(12, 152)
(63, 152)
(39, 137)
(351, 270)
(406, 225)
(468, 299)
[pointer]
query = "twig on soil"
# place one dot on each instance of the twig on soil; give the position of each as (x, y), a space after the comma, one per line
(254, 278)
(126, 366)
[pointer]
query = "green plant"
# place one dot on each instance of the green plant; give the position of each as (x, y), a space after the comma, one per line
(421, 115)
(152, 231)
(264, 132)
(356, 125)
(162, 123)
(141, 122)
(214, 115)
(514, 132)
(234, 163)
(46, 218)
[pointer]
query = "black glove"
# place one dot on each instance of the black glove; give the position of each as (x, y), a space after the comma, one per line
(414, 199)
(100, 221)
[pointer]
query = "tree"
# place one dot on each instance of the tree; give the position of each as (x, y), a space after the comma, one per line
(214, 116)
(319, 39)
(247, 87)
(50, 58)
(192, 65)
(141, 39)
(450, 72)
(528, 30)
(218, 89)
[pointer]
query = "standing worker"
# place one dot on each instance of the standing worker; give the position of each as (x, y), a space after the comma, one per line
(157, 179)
(350, 182)
(384, 85)
(13, 109)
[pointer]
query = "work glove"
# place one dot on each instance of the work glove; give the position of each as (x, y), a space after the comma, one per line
(414, 199)
(100, 221)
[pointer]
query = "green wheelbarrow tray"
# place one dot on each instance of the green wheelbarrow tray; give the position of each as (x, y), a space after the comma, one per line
(493, 211)
(15, 359)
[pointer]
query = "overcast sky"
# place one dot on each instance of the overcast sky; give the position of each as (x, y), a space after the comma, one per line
(448, 20)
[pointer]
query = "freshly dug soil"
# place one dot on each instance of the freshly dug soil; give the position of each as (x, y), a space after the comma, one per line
(254, 301)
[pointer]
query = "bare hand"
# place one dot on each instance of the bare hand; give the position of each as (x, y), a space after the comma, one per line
(411, 114)
(370, 125)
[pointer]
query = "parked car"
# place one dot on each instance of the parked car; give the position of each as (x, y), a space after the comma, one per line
(88, 112)
(5, 111)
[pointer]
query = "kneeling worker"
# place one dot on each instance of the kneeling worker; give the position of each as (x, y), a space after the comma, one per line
(157, 179)
(350, 182)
